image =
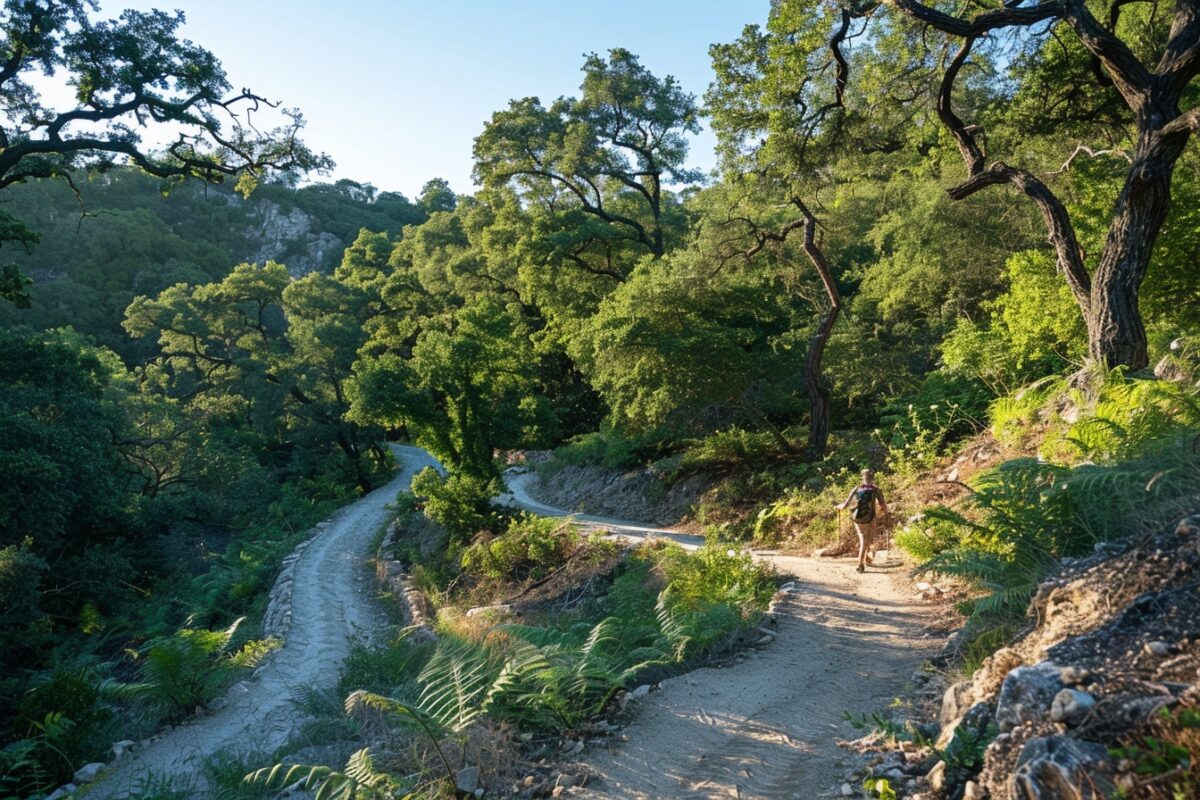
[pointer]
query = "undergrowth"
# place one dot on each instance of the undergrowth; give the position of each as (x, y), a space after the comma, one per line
(1117, 458)
(549, 674)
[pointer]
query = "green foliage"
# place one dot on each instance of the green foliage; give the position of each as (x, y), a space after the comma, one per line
(192, 667)
(528, 549)
(359, 780)
(607, 448)
(1026, 514)
(965, 753)
(879, 787)
(1034, 328)
(460, 503)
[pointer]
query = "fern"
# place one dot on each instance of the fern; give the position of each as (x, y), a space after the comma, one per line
(358, 781)
(190, 667)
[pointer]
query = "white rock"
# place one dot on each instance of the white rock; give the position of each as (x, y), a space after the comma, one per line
(640, 692)
(120, 748)
(847, 790)
(1071, 706)
(1073, 676)
(937, 777)
(1159, 649)
(922, 586)
(88, 772)
(971, 791)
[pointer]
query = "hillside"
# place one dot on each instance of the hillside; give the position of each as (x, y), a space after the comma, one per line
(886, 409)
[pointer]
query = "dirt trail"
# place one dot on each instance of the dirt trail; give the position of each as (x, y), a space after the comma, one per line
(766, 726)
(332, 599)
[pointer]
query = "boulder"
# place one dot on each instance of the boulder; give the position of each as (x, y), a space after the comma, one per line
(467, 780)
(120, 748)
(1027, 694)
(957, 699)
(1062, 768)
(88, 772)
(1070, 706)
(973, 791)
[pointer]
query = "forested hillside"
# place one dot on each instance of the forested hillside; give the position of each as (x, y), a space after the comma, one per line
(928, 229)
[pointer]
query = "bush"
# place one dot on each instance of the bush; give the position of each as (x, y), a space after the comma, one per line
(713, 591)
(916, 431)
(192, 667)
(459, 503)
(605, 448)
(529, 549)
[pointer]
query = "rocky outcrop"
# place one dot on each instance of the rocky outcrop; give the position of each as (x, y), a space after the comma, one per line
(640, 493)
(1114, 653)
(277, 620)
(289, 237)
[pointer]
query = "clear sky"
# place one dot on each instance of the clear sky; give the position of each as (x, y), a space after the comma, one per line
(396, 91)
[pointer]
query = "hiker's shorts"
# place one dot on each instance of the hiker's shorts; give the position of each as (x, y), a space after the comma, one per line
(866, 534)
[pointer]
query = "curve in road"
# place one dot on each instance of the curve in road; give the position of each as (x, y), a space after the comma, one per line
(332, 599)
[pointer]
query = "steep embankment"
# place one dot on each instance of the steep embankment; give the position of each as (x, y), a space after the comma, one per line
(331, 599)
(766, 727)
(631, 493)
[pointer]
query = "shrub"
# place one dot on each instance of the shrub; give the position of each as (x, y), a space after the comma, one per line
(460, 503)
(529, 549)
(191, 667)
(606, 448)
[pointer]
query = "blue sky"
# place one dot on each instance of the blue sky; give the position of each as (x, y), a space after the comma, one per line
(396, 91)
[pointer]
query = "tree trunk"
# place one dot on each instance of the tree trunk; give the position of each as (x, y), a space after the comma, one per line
(818, 395)
(1116, 336)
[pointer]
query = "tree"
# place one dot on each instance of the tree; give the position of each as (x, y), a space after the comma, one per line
(593, 171)
(779, 112)
(1147, 61)
(127, 74)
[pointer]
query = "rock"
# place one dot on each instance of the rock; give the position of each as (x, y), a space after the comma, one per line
(1158, 649)
(499, 608)
(640, 692)
(847, 790)
(764, 640)
(1073, 676)
(957, 699)
(922, 586)
(63, 791)
(88, 772)
(1071, 706)
(937, 777)
(1189, 526)
(120, 748)
(972, 791)
(1027, 694)
(1062, 768)
(566, 781)
(467, 780)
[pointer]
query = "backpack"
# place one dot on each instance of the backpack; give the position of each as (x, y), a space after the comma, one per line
(864, 508)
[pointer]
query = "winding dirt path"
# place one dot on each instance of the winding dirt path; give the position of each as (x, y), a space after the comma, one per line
(766, 726)
(332, 599)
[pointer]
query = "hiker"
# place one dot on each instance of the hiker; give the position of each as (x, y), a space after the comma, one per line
(866, 520)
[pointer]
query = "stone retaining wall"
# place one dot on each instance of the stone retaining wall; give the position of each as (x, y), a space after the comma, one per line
(414, 606)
